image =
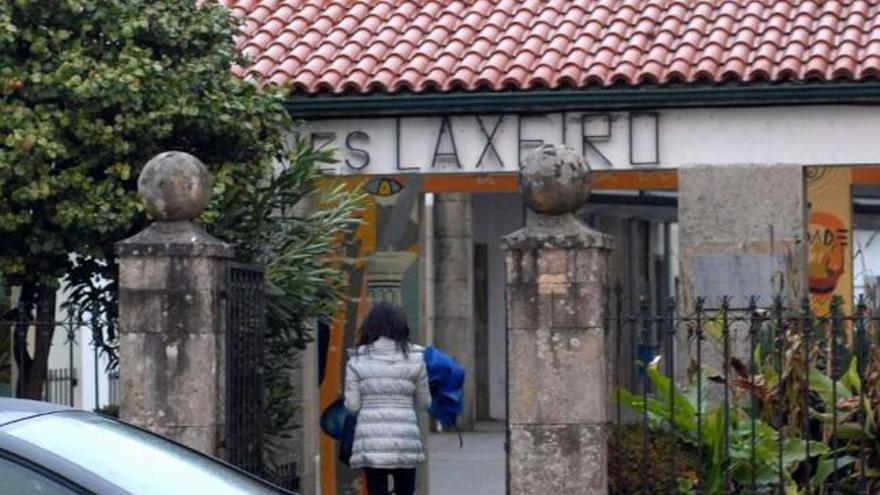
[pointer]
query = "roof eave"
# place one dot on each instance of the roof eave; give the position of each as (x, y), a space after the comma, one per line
(381, 104)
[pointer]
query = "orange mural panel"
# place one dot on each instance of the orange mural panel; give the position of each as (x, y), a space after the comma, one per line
(829, 235)
(866, 175)
(640, 180)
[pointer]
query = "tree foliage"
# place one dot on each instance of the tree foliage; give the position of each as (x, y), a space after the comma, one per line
(290, 225)
(89, 91)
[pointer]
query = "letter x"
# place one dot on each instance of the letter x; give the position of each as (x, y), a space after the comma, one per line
(489, 144)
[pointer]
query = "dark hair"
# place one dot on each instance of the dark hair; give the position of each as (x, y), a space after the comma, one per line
(385, 320)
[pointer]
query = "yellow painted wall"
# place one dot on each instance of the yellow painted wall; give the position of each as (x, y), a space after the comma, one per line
(829, 236)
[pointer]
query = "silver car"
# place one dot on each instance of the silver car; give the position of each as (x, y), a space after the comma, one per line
(54, 450)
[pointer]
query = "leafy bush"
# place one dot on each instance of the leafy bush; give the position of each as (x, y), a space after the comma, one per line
(91, 90)
(747, 454)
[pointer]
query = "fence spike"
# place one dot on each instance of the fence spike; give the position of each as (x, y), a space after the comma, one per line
(753, 304)
(805, 305)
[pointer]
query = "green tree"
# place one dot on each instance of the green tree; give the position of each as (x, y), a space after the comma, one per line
(89, 91)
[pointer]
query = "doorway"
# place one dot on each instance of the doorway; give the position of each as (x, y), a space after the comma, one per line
(477, 465)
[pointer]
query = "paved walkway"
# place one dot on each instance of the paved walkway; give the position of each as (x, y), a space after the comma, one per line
(476, 469)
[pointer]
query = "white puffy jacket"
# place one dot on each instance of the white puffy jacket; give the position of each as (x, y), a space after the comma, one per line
(386, 388)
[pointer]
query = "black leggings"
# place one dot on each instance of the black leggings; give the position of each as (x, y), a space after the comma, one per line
(404, 481)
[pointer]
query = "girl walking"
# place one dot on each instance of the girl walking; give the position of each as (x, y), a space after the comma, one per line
(386, 382)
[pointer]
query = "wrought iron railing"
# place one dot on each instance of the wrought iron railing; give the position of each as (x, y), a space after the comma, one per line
(766, 399)
(51, 352)
(245, 326)
(59, 386)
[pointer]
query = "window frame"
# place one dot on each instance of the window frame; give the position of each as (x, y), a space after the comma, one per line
(43, 472)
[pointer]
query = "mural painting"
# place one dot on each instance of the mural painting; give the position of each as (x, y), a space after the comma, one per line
(829, 238)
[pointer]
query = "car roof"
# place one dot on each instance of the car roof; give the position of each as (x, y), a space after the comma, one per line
(18, 409)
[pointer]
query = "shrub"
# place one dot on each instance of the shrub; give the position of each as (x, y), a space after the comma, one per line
(637, 475)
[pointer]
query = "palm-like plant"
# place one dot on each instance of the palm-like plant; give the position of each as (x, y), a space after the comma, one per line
(293, 224)
(745, 455)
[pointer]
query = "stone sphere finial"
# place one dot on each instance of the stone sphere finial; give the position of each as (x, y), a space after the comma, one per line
(175, 186)
(554, 179)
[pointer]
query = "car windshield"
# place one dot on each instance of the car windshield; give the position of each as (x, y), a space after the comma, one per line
(134, 460)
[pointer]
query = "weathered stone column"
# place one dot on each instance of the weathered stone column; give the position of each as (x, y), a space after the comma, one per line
(751, 214)
(171, 342)
(454, 291)
(557, 390)
(742, 231)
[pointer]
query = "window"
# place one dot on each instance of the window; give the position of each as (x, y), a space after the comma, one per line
(132, 459)
(15, 478)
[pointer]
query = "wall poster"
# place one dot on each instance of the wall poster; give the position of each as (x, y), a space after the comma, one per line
(829, 237)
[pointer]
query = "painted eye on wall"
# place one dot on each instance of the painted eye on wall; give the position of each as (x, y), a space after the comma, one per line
(383, 187)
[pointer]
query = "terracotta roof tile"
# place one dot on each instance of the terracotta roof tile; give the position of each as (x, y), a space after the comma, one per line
(341, 46)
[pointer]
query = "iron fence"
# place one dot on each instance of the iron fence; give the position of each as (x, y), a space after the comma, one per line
(51, 360)
(760, 399)
(59, 386)
(246, 421)
(245, 325)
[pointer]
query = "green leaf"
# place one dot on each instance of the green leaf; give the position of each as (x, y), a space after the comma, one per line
(714, 327)
(825, 467)
(794, 450)
(851, 430)
(851, 379)
(824, 386)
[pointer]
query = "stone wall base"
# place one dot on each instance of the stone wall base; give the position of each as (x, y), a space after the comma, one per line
(558, 459)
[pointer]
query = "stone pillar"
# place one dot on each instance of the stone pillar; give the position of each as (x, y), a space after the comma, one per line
(742, 231)
(557, 390)
(171, 277)
(752, 212)
(453, 323)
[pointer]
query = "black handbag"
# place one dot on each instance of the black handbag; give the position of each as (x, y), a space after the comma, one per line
(340, 424)
(347, 441)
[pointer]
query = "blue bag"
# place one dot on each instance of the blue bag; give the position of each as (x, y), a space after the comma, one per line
(446, 381)
(339, 424)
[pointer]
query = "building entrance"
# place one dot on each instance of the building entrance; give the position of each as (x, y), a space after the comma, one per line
(432, 244)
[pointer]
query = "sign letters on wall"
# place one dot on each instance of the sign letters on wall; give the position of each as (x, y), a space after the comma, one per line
(485, 143)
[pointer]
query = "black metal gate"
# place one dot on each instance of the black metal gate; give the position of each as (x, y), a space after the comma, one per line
(245, 325)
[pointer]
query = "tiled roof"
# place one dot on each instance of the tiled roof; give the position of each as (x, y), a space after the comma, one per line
(361, 46)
